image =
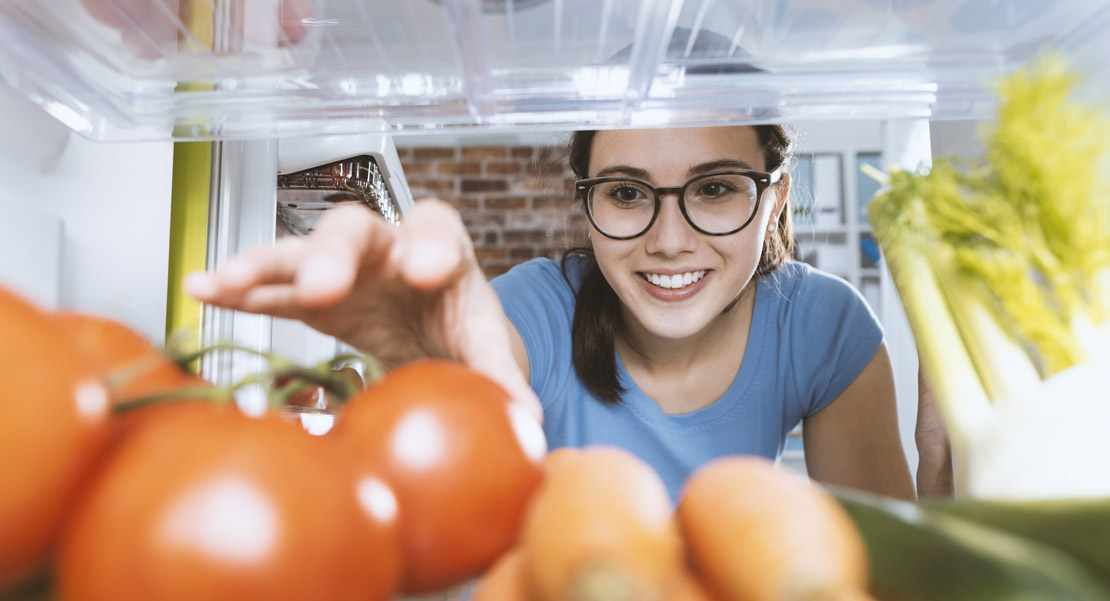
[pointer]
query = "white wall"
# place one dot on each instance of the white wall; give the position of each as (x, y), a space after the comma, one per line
(112, 204)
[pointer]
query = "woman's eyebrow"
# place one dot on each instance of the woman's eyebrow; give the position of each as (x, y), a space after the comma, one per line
(623, 170)
(636, 172)
(719, 165)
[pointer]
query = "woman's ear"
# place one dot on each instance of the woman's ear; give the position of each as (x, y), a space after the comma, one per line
(782, 193)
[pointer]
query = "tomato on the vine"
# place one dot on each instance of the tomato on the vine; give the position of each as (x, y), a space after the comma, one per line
(119, 350)
(131, 367)
(53, 416)
(218, 506)
(462, 458)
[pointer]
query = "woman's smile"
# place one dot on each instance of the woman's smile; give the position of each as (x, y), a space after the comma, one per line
(672, 285)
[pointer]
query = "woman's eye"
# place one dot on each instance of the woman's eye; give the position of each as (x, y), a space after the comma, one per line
(626, 194)
(714, 189)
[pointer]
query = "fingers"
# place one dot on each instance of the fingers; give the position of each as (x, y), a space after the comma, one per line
(312, 272)
(231, 284)
(435, 248)
(345, 241)
(436, 251)
(255, 267)
(487, 350)
(485, 346)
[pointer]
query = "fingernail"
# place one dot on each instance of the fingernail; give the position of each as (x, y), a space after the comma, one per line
(321, 271)
(200, 284)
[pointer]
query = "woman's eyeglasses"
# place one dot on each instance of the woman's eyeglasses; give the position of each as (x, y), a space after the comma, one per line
(718, 203)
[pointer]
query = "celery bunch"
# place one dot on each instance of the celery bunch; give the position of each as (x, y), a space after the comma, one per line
(1003, 266)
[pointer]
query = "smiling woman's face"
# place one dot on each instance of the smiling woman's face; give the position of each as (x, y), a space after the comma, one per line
(717, 267)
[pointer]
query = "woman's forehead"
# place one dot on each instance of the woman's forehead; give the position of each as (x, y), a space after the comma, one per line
(674, 150)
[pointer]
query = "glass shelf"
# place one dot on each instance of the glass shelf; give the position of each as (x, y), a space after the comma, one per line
(236, 69)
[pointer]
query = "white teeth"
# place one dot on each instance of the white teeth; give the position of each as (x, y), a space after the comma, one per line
(678, 280)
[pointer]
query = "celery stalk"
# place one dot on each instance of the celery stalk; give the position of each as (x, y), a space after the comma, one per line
(1003, 266)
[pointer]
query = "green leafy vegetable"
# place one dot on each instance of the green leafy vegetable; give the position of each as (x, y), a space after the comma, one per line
(1002, 262)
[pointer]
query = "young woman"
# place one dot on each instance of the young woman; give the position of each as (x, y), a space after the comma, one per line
(684, 333)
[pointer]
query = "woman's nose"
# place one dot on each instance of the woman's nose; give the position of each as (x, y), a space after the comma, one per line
(671, 234)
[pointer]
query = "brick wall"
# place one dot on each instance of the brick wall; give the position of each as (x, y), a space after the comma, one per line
(516, 201)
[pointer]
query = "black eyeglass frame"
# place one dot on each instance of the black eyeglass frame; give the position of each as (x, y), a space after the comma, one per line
(762, 179)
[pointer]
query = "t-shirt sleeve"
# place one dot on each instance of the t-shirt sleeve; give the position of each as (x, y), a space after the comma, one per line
(540, 304)
(833, 335)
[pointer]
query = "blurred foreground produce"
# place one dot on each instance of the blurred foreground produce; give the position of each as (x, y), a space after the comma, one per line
(1003, 266)
(53, 425)
(212, 504)
(951, 551)
(761, 533)
(1078, 527)
(462, 458)
(127, 477)
(132, 368)
(601, 527)
(506, 580)
(432, 477)
(130, 364)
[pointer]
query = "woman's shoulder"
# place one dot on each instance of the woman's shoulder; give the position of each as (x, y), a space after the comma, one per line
(794, 278)
(540, 302)
(809, 291)
(541, 282)
(563, 273)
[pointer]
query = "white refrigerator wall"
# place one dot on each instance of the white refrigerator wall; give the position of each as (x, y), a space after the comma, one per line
(87, 224)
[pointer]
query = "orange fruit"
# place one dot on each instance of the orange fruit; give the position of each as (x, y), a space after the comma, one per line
(601, 527)
(555, 457)
(506, 580)
(757, 533)
(690, 587)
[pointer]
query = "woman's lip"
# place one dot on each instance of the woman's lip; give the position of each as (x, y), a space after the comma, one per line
(673, 294)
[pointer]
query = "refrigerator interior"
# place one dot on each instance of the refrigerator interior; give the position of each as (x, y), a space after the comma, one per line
(125, 79)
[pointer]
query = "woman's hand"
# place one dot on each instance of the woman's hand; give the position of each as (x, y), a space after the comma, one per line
(934, 467)
(399, 293)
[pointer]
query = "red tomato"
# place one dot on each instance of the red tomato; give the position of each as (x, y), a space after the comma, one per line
(218, 506)
(118, 350)
(53, 416)
(311, 397)
(462, 458)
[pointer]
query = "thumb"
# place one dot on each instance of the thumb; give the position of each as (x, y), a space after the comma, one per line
(435, 248)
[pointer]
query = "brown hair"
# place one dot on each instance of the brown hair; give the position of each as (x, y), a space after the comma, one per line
(597, 311)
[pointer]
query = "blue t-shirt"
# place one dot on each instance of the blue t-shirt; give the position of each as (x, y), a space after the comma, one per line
(811, 335)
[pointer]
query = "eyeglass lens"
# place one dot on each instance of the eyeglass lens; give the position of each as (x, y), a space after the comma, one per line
(715, 203)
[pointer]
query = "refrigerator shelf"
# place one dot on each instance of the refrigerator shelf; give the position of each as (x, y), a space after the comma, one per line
(241, 69)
